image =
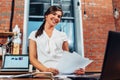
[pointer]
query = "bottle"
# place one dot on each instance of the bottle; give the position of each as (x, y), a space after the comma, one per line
(16, 40)
(16, 44)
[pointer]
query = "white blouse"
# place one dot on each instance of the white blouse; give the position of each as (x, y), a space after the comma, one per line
(49, 49)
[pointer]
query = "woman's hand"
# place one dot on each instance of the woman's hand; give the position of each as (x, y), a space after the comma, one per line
(52, 70)
(80, 71)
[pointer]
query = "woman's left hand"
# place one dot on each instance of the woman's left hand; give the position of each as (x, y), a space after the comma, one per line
(80, 71)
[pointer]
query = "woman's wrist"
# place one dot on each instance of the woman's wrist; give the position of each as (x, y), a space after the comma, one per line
(44, 69)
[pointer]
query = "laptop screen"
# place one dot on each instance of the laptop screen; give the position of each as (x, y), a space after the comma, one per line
(16, 61)
(111, 64)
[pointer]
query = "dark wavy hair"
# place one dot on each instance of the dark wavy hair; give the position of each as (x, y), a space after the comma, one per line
(50, 10)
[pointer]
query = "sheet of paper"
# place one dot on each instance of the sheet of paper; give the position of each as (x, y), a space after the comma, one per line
(94, 75)
(71, 62)
(5, 76)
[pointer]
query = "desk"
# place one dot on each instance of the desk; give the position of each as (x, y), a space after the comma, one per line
(25, 76)
(25, 79)
(12, 73)
(48, 77)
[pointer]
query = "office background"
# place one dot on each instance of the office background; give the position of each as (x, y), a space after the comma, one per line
(97, 19)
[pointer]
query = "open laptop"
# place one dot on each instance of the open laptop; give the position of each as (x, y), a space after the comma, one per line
(111, 64)
(15, 63)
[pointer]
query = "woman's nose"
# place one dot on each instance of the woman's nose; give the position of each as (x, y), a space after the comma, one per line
(57, 18)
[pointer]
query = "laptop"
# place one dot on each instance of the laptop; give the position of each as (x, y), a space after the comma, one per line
(111, 64)
(15, 63)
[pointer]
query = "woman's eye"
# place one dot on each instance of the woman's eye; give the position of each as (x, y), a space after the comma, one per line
(54, 13)
(59, 16)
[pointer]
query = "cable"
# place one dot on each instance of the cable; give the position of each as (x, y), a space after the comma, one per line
(12, 15)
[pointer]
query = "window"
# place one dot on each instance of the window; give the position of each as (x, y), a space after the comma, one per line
(69, 23)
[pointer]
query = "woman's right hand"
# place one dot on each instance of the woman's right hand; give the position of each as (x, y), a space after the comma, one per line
(52, 70)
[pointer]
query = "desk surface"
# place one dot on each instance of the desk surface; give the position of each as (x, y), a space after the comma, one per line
(24, 76)
(12, 73)
(80, 77)
(47, 79)
(25, 79)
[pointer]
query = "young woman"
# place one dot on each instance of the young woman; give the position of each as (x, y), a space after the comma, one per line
(47, 44)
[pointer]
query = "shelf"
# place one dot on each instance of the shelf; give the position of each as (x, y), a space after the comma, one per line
(6, 34)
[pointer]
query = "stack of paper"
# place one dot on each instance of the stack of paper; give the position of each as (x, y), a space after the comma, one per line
(71, 62)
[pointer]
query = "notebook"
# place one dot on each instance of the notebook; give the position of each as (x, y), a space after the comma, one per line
(111, 64)
(15, 63)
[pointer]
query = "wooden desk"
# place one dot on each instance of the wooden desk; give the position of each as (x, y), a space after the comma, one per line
(47, 79)
(12, 73)
(43, 78)
(24, 76)
(25, 79)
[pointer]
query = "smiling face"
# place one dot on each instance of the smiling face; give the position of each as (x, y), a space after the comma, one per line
(53, 18)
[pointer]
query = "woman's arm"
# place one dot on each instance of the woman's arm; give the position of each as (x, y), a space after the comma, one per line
(34, 61)
(65, 46)
(33, 56)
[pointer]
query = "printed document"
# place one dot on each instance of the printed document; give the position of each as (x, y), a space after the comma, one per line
(71, 62)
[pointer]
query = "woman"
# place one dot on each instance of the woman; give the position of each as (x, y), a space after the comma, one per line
(47, 44)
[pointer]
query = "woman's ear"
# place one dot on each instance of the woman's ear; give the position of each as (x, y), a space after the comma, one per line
(45, 17)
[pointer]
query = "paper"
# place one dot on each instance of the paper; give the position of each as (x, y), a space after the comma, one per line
(5, 76)
(92, 75)
(71, 62)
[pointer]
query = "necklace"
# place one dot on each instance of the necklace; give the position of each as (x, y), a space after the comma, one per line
(49, 46)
